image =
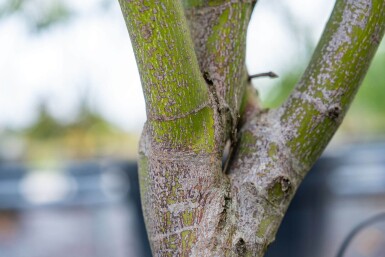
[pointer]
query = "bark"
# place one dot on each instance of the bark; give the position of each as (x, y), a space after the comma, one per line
(191, 58)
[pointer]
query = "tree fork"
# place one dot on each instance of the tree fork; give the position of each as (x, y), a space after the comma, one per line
(197, 92)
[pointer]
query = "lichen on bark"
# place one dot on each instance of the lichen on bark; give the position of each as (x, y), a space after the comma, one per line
(191, 59)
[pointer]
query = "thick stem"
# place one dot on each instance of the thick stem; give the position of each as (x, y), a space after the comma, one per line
(182, 185)
(278, 147)
(183, 197)
(177, 98)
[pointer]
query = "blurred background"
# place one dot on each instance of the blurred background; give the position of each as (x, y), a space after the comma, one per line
(71, 112)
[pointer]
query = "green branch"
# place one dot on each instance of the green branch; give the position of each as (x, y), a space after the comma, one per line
(177, 98)
(316, 107)
(276, 148)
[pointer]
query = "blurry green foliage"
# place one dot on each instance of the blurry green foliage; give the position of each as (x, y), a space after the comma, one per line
(55, 13)
(89, 135)
(367, 113)
(48, 127)
(371, 96)
(9, 7)
(37, 14)
(45, 126)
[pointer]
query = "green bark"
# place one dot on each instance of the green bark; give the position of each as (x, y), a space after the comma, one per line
(338, 66)
(177, 99)
(191, 60)
(218, 29)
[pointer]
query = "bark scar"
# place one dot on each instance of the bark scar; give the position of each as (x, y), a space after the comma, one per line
(180, 116)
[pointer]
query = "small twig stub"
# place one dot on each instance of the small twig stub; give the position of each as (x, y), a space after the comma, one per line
(269, 74)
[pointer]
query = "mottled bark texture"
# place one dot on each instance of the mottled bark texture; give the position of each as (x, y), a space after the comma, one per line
(191, 58)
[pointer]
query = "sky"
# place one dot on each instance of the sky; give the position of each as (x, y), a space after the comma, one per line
(91, 56)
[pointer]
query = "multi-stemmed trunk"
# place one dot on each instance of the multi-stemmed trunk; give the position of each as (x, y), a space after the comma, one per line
(191, 57)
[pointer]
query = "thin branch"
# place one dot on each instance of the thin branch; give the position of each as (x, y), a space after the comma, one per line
(269, 74)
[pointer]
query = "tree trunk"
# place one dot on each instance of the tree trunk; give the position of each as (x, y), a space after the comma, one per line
(191, 58)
